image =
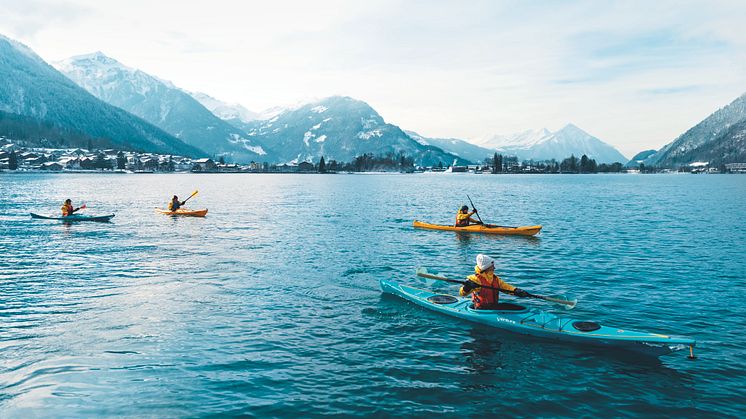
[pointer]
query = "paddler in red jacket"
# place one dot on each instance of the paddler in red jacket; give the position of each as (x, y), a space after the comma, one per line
(484, 274)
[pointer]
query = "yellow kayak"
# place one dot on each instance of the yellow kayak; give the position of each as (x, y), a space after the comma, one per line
(486, 229)
(184, 212)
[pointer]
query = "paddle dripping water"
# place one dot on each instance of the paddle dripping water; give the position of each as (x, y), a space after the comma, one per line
(271, 305)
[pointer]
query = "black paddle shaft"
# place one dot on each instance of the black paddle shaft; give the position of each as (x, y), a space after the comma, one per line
(456, 281)
(472, 207)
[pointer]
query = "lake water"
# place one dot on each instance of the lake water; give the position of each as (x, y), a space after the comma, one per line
(270, 306)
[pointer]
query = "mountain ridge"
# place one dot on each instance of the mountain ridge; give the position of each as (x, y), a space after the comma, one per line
(161, 103)
(34, 89)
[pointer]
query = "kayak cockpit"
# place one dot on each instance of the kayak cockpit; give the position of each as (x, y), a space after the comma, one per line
(499, 308)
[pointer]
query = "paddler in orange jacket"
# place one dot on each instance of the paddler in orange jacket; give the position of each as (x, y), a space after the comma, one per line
(463, 217)
(487, 298)
(67, 208)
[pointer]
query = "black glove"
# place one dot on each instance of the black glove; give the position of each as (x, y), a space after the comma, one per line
(469, 286)
(520, 293)
(475, 210)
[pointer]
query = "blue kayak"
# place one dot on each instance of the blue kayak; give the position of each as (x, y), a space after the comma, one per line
(535, 322)
(75, 217)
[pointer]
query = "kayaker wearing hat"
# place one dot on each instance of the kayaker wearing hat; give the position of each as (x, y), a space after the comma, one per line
(67, 208)
(463, 217)
(487, 298)
(175, 204)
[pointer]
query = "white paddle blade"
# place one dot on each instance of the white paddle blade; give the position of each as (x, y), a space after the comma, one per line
(421, 272)
(568, 303)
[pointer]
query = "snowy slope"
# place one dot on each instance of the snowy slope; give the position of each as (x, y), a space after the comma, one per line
(162, 104)
(544, 144)
(719, 138)
(455, 146)
(32, 88)
(338, 128)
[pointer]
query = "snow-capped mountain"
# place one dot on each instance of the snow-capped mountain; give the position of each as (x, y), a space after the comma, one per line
(719, 138)
(42, 96)
(544, 144)
(162, 104)
(226, 111)
(521, 140)
(455, 146)
(338, 128)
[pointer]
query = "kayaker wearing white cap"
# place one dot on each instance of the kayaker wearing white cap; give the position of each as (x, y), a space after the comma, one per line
(487, 298)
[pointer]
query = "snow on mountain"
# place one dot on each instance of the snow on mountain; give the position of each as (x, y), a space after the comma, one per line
(338, 128)
(544, 144)
(43, 96)
(719, 138)
(225, 111)
(162, 104)
(455, 146)
(521, 140)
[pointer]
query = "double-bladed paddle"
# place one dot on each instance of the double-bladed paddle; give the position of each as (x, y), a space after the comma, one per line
(480, 218)
(190, 197)
(566, 302)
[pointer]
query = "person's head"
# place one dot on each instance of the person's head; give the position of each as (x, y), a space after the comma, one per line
(485, 263)
(68, 202)
(175, 198)
(465, 209)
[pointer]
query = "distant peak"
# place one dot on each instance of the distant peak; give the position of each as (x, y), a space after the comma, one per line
(97, 56)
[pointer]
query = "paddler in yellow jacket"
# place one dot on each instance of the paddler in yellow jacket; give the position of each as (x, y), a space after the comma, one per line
(463, 217)
(484, 274)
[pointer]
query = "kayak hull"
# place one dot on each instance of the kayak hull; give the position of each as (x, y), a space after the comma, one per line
(183, 212)
(535, 322)
(75, 218)
(478, 228)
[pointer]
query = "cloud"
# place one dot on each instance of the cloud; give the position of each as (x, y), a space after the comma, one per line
(24, 19)
(635, 74)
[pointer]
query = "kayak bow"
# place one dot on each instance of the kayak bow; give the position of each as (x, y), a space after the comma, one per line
(532, 321)
(480, 228)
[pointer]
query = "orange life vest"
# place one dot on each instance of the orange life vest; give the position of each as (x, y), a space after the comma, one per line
(67, 210)
(485, 297)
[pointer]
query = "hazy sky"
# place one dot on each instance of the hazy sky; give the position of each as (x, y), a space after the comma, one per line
(635, 74)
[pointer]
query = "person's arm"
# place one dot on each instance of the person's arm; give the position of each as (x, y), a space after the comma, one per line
(469, 287)
(513, 289)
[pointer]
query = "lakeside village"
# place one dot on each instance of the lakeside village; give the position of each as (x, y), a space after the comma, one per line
(28, 159)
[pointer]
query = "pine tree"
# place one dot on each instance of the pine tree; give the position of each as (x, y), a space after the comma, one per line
(121, 161)
(322, 165)
(13, 161)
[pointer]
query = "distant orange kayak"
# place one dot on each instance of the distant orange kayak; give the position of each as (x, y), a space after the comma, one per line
(486, 229)
(185, 212)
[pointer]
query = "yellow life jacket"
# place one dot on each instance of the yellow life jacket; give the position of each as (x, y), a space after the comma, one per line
(462, 219)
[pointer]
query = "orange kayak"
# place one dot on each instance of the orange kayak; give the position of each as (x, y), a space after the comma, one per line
(485, 229)
(184, 212)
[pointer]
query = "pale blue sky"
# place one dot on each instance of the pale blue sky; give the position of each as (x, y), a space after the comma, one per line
(635, 74)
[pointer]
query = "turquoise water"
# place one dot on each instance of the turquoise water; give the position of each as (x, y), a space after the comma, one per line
(270, 306)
